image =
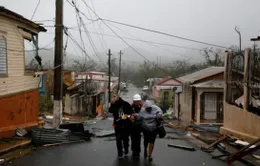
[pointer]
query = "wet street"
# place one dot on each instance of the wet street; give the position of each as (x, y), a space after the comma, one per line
(102, 151)
(132, 90)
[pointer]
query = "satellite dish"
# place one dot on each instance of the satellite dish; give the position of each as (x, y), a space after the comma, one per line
(174, 88)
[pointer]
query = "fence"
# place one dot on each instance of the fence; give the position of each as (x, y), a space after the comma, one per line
(242, 77)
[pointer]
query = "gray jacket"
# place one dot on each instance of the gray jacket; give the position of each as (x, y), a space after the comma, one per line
(149, 119)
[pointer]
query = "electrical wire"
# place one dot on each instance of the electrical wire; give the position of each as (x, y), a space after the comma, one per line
(125, 41)
(87, 34)
(145, 41)
(154, 45)
(36, 9)
(164, 33)
(153, 31)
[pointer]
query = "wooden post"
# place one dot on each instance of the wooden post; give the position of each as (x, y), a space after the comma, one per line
(247, 78)
(228, 77)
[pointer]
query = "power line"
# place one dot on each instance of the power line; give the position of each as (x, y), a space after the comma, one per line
(152, 44)
(35, 9)
(125, 41)
(154, 31)
(87, 33)
(145, 41)
(164, 33)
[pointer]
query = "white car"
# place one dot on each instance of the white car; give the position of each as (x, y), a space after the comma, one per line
(145, 88)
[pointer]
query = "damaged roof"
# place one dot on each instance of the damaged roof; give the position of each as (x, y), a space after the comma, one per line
(210, 84)
(15, 16)
(204, 73)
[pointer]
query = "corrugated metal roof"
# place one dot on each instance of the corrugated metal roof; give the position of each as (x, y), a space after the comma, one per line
(210, 84)
(200, 74)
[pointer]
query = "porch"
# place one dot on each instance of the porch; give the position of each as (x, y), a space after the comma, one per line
(208, 105)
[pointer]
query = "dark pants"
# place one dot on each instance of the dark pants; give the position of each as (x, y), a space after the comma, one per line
(149, 137)
(122, 140)
(136, 140)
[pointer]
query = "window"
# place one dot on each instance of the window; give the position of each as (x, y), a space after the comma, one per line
(30, 62)
(3, 55)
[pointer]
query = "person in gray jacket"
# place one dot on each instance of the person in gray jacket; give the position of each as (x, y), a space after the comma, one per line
(149, 117)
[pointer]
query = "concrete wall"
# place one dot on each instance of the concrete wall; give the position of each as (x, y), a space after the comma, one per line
(185, 103)
(240, 123)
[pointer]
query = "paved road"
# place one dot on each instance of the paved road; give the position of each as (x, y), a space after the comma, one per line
(132, 90)
(102, 151)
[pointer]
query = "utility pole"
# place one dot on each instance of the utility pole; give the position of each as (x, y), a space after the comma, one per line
(58, 62)
(119, 73)
(109, 76)
(237, 30)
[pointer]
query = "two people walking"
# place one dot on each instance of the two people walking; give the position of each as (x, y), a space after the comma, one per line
(131, 121)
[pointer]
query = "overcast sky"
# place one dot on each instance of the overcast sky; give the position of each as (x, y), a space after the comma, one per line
(211, 21)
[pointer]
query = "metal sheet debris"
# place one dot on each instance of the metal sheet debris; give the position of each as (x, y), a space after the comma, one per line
(73, 127)
(50, 136)
(20, 132)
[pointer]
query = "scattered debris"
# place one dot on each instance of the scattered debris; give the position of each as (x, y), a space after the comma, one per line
(20, 132)
(182, 147)
(2, 161)
(169, 114)
(69, 142)
(111, 139)
(256, 156)
(73, 127)
(51, 136)
(49, 117)
(229, 153)
(104, 133)
(206, 128)
(206, 137)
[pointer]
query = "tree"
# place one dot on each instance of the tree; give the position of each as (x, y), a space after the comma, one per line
(82, 66)
(213, 58)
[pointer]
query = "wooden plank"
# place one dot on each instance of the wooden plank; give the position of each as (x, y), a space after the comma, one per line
(215, 143)
(182, 147)
(243, 152)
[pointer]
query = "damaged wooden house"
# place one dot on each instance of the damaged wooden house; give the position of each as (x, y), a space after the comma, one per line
(89, 94)
(19, 94)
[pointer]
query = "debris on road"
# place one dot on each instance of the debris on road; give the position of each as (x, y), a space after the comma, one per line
(73, 127)
(2, 161)
(206, 128)
(21, 132)
(234, 149)
(51, 136)
(182, 147)
(62, 143)
(103, 133)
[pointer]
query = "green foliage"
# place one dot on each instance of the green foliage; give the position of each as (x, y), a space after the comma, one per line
(46, 103)
(164, 105)
(82, 66)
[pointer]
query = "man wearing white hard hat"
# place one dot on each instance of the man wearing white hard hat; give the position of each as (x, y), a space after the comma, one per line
(136, 129)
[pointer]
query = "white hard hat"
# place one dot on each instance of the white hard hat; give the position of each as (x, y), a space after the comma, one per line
(137, 97)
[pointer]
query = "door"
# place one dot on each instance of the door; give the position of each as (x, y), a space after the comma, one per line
(210, 106)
